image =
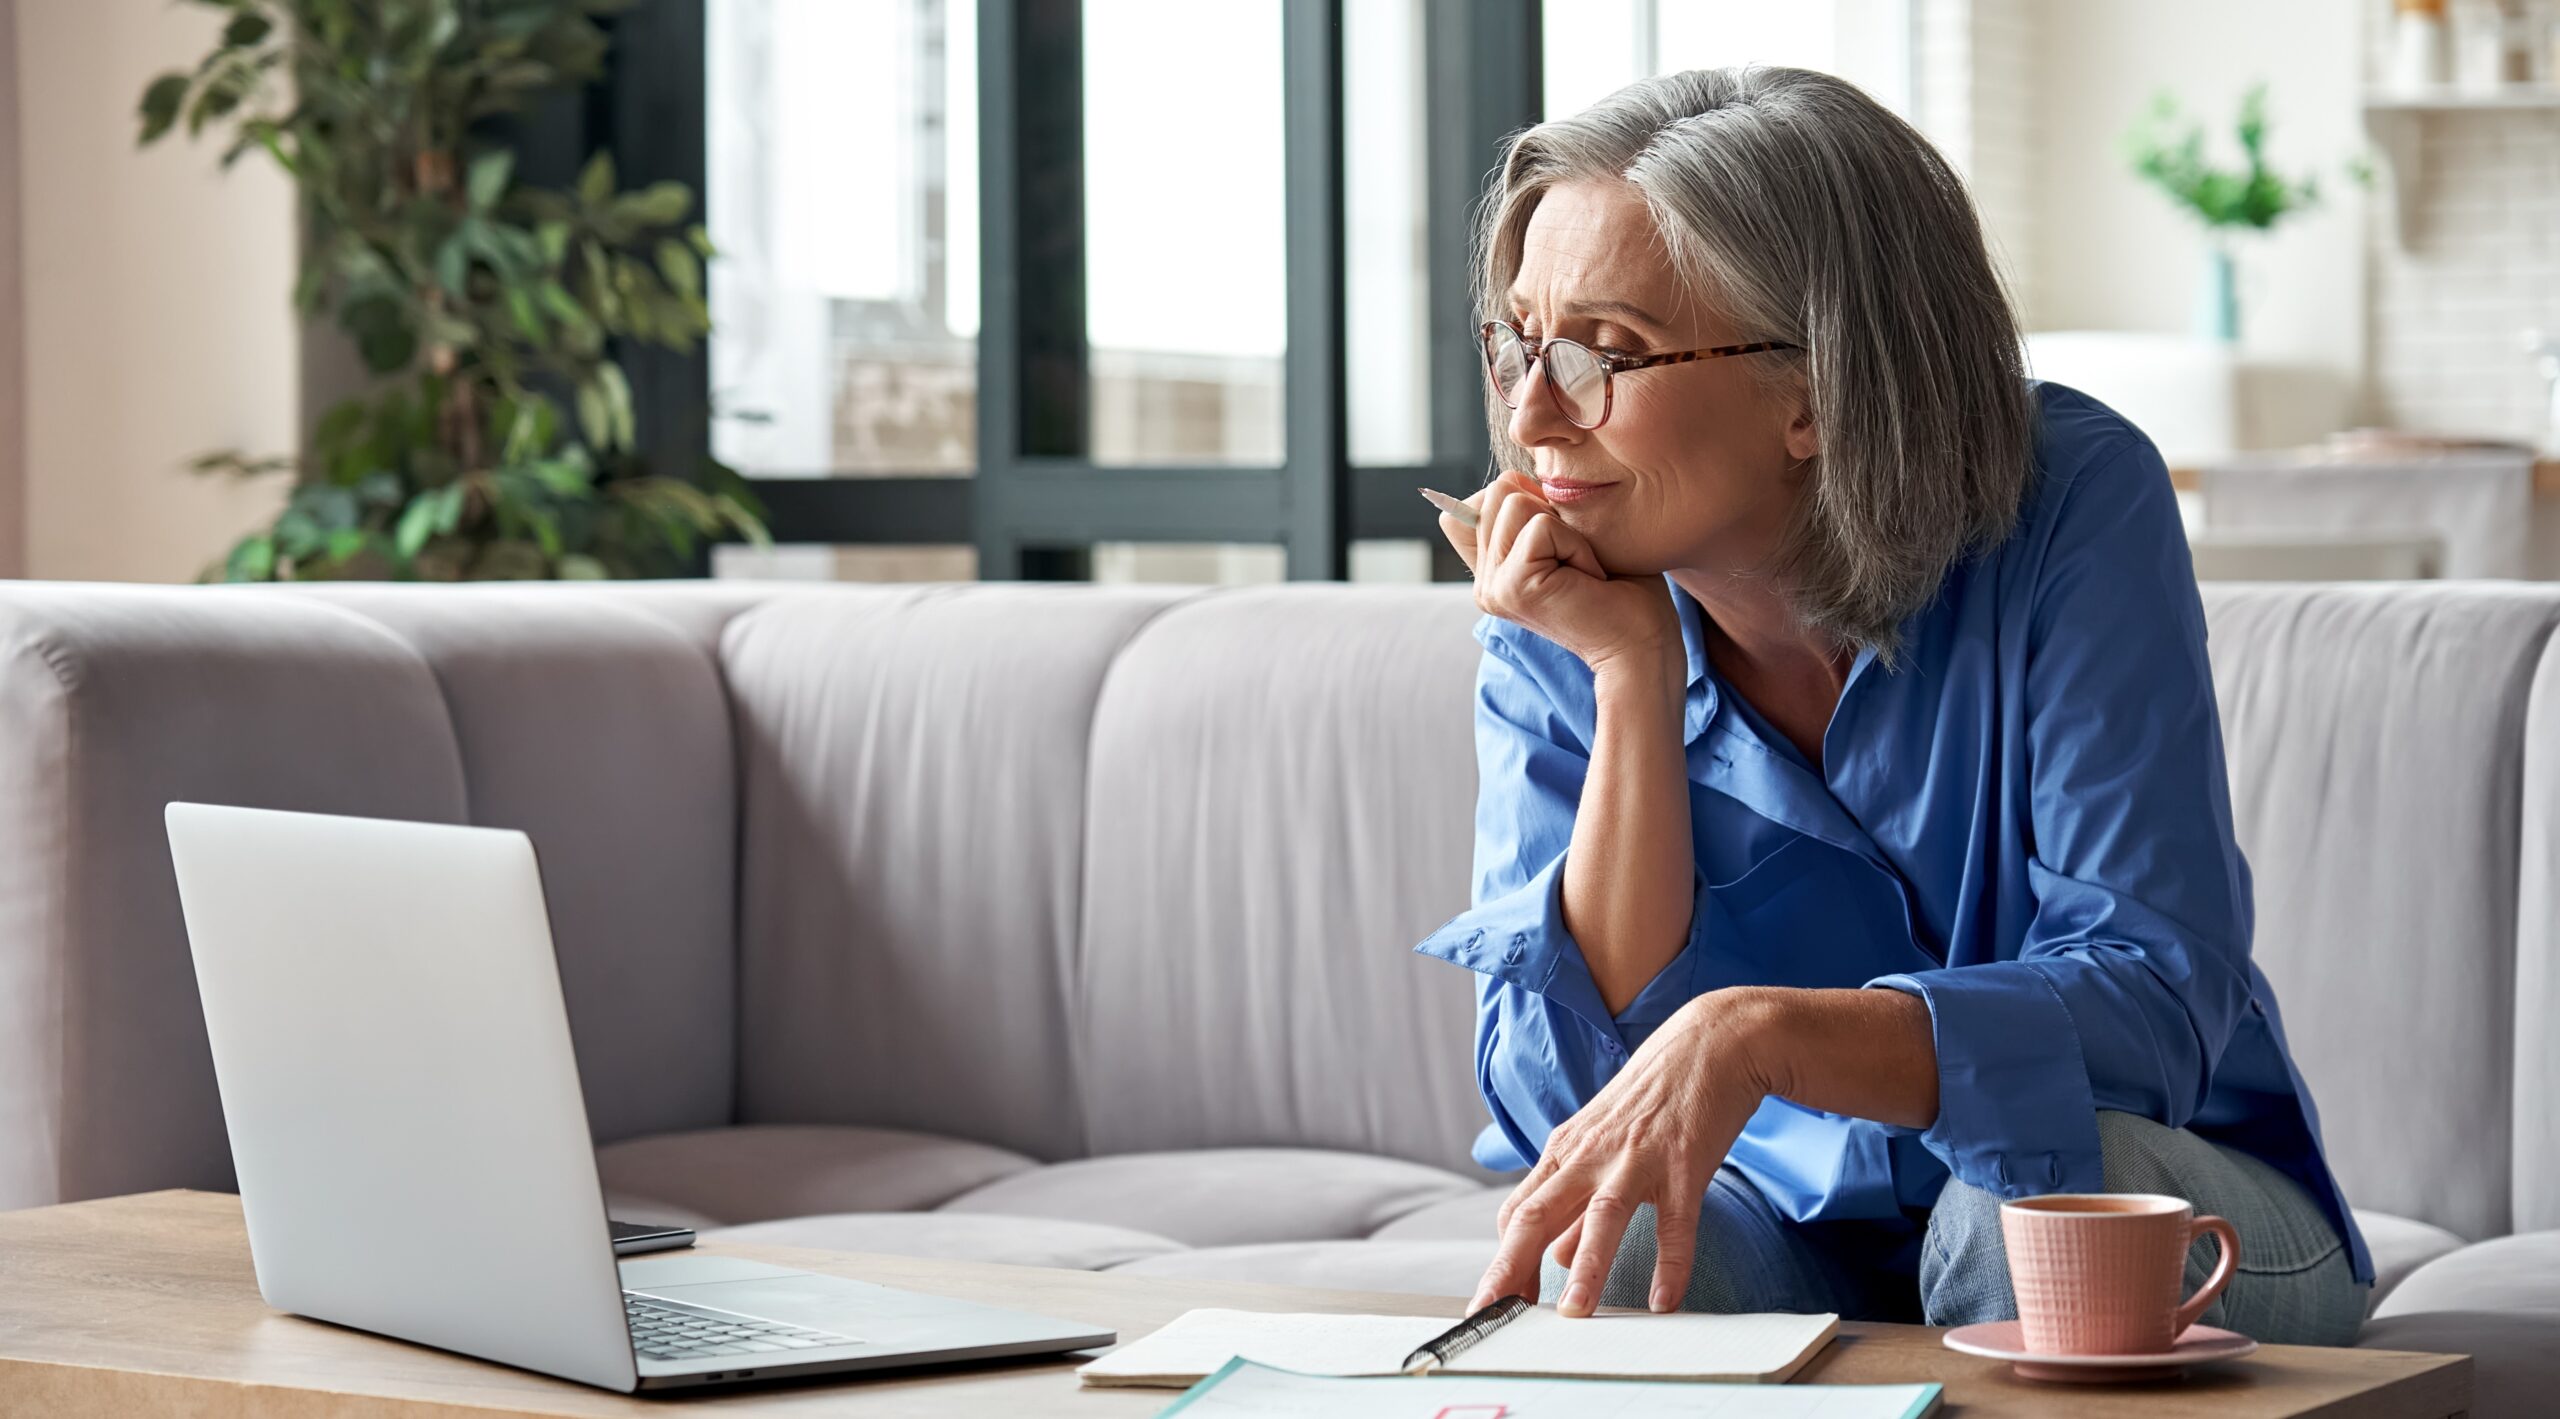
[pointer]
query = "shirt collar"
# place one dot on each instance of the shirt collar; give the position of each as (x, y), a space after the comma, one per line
(1693, 630)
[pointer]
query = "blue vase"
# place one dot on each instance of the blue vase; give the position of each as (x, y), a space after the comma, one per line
(2218, 303)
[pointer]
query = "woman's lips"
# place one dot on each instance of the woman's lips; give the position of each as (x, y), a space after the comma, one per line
(1564, 491)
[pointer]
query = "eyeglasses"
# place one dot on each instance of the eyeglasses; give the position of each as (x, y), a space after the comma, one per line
(1579, 378)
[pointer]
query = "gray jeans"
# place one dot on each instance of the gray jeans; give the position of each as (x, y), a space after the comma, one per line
(2294, 1284)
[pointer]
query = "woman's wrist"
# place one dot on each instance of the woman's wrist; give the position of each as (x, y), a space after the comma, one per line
(1648, 670)
(1749, 1025)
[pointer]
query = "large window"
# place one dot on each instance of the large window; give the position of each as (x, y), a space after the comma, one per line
(1120, 289)
(842, 197)
(1185, 254)
(1593, 47)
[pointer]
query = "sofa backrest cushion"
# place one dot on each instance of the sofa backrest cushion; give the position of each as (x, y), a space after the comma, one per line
(912, 772)
(2376, 738)
(600, 728)
(1282, 804)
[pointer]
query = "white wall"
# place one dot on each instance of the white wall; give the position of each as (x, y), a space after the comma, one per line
(13, 495)
(2112, 253)
(156, 299)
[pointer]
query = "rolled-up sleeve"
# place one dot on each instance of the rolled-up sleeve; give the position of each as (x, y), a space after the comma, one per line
(2134, 969)
(1545, 1040)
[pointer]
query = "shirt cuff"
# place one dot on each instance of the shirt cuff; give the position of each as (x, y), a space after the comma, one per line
(1519, 938)
(2016, 1117)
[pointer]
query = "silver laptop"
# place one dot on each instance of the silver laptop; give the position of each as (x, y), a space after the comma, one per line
(411, 1142)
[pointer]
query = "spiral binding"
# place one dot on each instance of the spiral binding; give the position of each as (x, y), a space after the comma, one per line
(1448, 1345)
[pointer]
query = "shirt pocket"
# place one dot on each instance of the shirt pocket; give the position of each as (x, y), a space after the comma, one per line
(1808, 915)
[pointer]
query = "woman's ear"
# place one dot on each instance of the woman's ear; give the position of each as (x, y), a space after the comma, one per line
(1803, 439)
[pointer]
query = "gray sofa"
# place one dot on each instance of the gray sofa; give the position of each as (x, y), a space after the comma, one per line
(1068, 925)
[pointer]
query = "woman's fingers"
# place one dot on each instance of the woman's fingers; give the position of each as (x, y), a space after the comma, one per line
(1461, 537)
(1511, 512)
(1533, 1224)
(1603, 1226)
(1675, 1233)
(1562, 1252)
(1526, 1188)
(1546, 536)
(1489, 501)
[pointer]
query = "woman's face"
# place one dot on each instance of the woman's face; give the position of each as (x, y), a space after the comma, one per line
(1691, 470)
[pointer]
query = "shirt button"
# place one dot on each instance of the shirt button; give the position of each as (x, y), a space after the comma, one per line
(1608, 1045)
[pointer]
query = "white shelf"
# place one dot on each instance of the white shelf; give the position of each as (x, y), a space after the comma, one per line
(2452, 100)
(2395, 122)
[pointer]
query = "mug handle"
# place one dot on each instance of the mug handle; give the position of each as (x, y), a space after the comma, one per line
(2213, 1284)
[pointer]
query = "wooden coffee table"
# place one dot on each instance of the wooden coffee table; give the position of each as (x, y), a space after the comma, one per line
(147, 1305)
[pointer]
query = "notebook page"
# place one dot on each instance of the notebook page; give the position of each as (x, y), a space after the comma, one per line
(1251, 1392)
(1679, 1346)
(1198, 1342)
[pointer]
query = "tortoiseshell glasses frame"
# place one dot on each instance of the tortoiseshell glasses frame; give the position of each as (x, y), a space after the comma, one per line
(1570, 362)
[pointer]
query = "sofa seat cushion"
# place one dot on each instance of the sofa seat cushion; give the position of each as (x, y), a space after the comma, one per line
(1415, 1268)
(2518, 1273)
(2400, 1245)
(1466, 1218)
(1210, 1197)
(759, 1172)
(2515, 1355)
(959, 1236)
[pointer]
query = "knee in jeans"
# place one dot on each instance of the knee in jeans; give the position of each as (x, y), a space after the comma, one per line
(1964, 1267)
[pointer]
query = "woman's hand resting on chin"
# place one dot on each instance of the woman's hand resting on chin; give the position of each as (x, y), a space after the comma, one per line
(1533, 570)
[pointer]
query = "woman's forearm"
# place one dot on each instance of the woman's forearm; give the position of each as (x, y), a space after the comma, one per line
(1628, 873)
(1866, 1053)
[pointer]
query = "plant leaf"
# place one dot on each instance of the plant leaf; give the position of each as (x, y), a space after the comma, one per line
(594, 417)
(417, 522)
(253, 558)
(246, 28)
(660, 204)
(676, 264)
(160, 105)
(617, 397)
(595, 184)
(488, 179)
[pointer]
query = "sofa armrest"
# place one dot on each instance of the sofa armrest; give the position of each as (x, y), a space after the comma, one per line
(114, 701)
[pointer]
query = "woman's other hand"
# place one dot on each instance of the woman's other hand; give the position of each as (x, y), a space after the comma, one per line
(1536, 572)
(1656, 1133)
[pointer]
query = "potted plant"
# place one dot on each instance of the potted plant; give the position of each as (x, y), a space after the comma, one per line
(2168, 152)
(497, 439)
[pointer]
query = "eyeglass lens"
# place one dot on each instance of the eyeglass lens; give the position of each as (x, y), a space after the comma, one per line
(1580, 382)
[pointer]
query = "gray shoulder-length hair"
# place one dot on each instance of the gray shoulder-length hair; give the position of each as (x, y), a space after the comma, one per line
(1807, 212)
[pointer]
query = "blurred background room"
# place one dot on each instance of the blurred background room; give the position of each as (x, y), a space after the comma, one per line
(1162, 291)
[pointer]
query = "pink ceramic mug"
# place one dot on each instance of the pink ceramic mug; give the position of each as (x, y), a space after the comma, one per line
(2098, 1273)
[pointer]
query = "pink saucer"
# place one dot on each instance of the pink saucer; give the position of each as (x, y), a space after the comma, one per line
(2002, 1340)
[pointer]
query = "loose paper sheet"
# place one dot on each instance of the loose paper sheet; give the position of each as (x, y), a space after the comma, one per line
(1244, 1390)
(1636, 1346)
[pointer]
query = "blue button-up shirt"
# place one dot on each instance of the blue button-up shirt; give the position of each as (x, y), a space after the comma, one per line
(2026, 823)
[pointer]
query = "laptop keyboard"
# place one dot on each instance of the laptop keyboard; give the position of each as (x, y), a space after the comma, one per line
(663, 1330)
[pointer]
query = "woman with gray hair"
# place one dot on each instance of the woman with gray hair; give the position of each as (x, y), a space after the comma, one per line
(1853, 844)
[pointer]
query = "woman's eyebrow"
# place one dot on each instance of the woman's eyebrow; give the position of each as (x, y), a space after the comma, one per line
(1600, 308)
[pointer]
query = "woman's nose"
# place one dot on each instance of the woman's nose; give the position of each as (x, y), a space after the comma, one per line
(1539, 420)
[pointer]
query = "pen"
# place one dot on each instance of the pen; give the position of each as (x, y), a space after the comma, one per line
(1449, 1344)
(1465, 515)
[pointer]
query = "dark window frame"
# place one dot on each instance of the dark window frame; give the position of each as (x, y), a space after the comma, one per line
(1033, 507)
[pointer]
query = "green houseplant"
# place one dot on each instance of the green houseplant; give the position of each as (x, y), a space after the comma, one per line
(497, 438)
(2168, 152)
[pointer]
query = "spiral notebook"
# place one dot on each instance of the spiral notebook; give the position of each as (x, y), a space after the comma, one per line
(1244, 1390)
(1538, 1343)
